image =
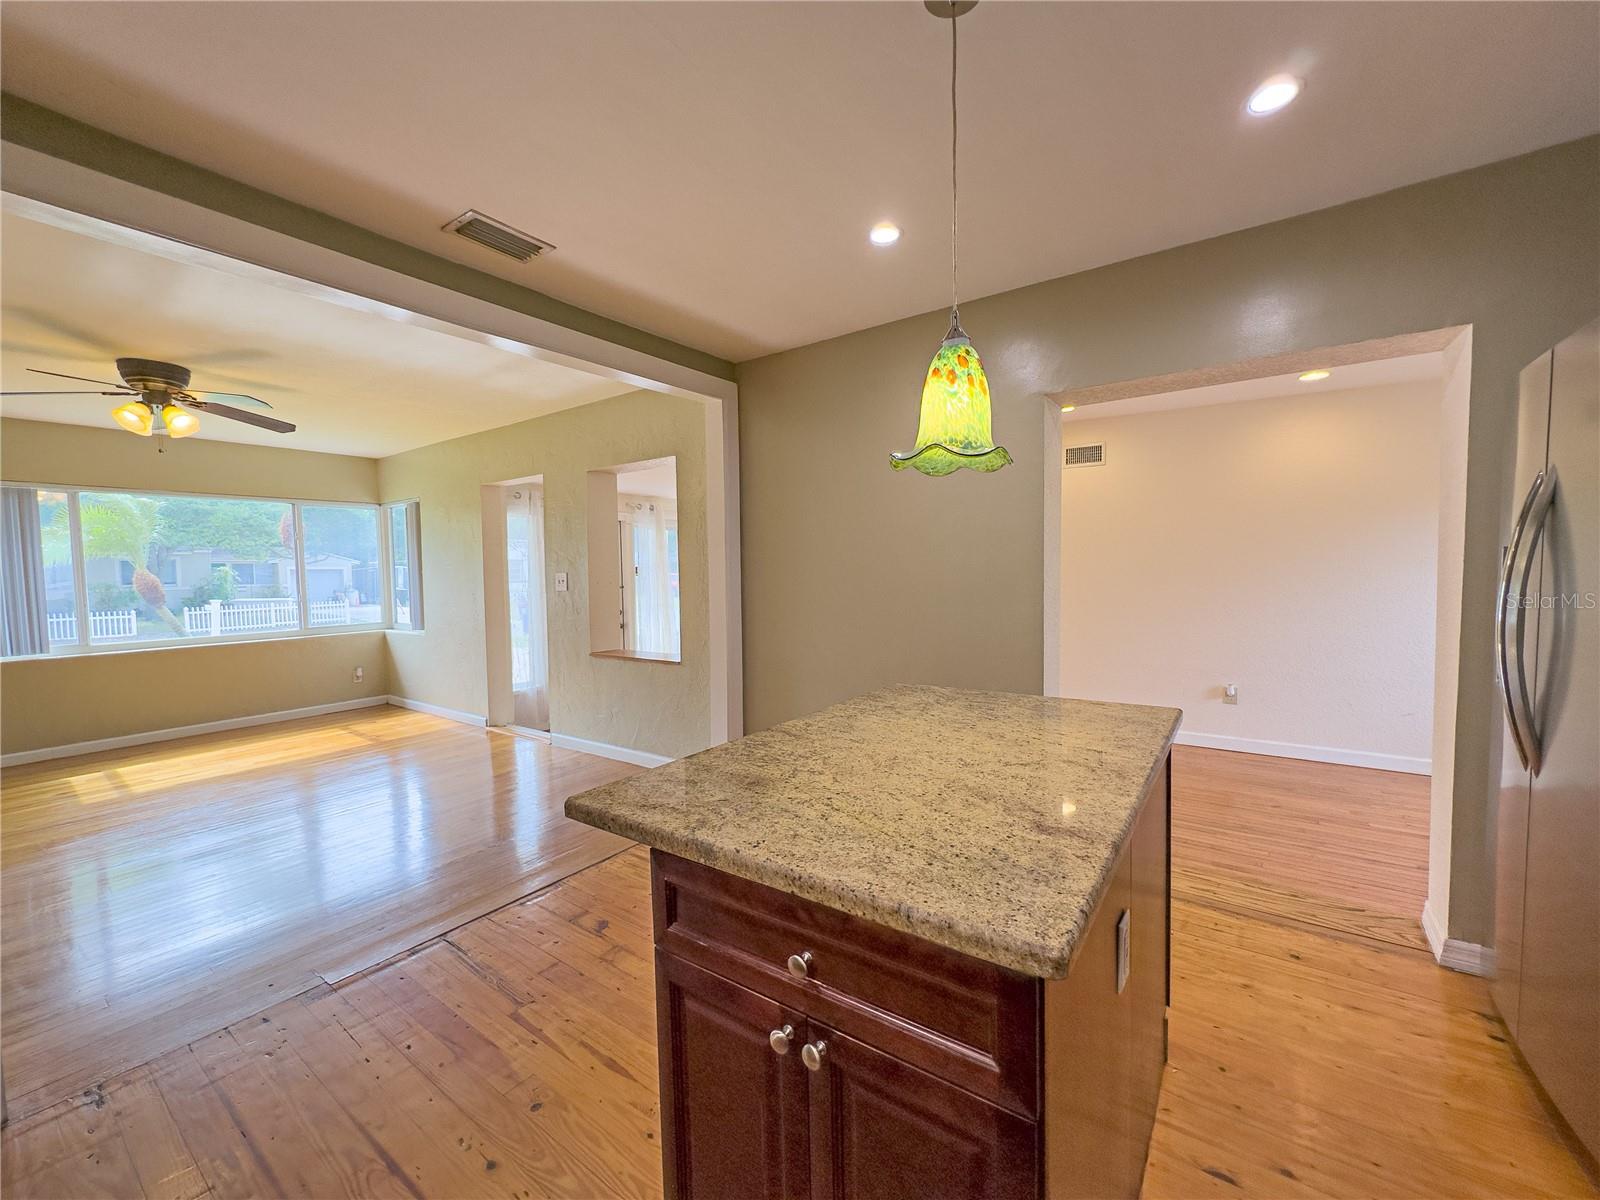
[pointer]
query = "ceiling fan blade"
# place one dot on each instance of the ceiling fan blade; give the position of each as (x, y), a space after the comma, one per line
(212, 408)
(69, 393)
(252, 401)
(79, 378)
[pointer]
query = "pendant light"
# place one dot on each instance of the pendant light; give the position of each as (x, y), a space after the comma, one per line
(953, 430)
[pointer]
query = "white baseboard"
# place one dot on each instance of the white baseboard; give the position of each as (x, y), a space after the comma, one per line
(1327, 754)
(1466, 957)
(639, 758)
(538, 735)
(602, 749)
(18, 757)
(437, 710)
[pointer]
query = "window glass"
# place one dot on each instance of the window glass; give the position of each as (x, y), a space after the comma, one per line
(640, 585)
(90, 570)
(57, 588)
(344, 583)
(187, 566)
(404, 565)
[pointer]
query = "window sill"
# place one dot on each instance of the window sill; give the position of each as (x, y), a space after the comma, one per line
(294, 635)
(637, 656)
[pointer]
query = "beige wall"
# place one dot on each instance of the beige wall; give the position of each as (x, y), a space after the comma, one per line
(78, 698)
(1285, 545)
(84, 697)
(660, 708)
(856, 576)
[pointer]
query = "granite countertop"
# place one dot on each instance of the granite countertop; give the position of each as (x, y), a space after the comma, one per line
(985, 822)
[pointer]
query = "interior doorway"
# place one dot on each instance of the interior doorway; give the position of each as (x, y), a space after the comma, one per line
(517, 640)
(1351, 679)
(529, 639)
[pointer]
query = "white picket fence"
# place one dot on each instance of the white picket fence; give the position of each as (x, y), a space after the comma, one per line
(332, 612)
(241, 616)
(217, 619)
(105, 625)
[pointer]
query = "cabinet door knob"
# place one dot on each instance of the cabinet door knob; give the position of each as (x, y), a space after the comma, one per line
(780, 1039)
(812, 1054)
(800, 964)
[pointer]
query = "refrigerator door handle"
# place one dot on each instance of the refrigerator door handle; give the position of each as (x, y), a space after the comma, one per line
(1502, 645)
(1538, 513)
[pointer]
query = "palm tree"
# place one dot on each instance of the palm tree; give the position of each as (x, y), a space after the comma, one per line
(118, 527)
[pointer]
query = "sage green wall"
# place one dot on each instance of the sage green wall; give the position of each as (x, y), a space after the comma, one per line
(661, 708)
(78, 698)
(856, 576)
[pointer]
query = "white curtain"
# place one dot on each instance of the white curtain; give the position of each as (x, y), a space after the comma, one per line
(530, 648)
(653, 525)
(22, 588)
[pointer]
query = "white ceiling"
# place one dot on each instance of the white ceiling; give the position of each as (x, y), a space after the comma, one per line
(355, 379)
(1410, 368)
(709, 171)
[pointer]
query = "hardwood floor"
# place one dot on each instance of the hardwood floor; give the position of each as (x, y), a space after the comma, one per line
(151, 896)
(1316, 1050)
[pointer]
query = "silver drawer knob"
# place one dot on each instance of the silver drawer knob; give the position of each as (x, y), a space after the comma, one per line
(800, 964)
(780, 1039)
(812, 1054)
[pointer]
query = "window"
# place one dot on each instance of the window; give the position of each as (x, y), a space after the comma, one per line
(95, 569)
(405, 563)
(635, 610)
(344, 585)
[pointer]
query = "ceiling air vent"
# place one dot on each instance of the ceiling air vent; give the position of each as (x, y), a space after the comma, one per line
(497, 235)
(1093, 455)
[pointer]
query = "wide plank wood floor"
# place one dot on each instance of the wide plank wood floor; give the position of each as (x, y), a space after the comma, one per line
(1316, 1050)
(148, 897)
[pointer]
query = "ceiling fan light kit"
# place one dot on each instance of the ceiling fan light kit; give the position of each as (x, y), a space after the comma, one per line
(136, 417)
(155, 389)
(953, 427)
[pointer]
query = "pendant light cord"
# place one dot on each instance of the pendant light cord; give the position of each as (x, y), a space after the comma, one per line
(955, 305)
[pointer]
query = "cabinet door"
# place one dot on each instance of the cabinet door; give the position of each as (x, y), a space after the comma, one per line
(882, 1130)
(733, 1109)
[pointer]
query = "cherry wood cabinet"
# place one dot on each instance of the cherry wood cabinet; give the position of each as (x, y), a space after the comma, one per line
(733, 1111)
(808, 1053)
(882, 1130)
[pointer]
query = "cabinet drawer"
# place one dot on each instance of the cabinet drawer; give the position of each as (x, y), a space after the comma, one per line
(955, 1016)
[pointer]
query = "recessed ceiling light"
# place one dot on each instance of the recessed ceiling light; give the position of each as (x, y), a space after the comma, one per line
(1273, 95)
(1068, 407)
(884, 233)
(1315, 376)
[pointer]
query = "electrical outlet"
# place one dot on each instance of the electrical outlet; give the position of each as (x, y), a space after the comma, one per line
(1230, 693)
(358, 675)
(561, 581)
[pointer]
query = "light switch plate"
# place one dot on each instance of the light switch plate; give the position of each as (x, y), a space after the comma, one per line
(561, 581)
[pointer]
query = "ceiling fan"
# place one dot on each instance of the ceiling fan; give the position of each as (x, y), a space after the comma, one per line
(161, 390)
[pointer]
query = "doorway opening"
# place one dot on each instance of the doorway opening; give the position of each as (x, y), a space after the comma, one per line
(1287, 568)
(516, 607)
(530, 640)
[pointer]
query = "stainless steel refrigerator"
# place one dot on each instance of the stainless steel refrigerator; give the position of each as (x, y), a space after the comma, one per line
(1547, 936)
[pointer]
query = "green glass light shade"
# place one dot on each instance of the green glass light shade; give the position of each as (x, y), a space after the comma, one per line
(954, 430)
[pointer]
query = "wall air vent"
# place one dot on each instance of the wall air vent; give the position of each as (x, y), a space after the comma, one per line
(1092, 455)
(497, 236)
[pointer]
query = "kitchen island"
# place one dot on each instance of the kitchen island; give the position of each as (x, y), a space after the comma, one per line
(913, 945)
